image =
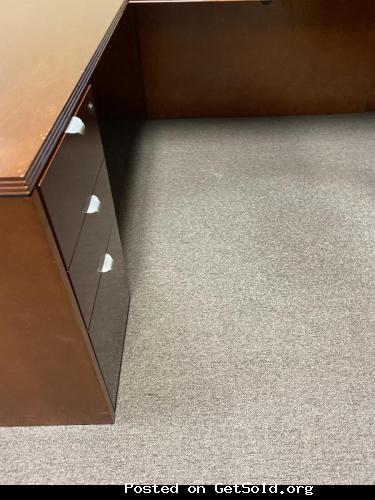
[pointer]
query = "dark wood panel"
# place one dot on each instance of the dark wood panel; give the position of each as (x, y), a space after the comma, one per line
(194, 1)
(48, 371)
(44, 71)
(112, 302)
(370, 106)
(118, 81)
(91, 247)
(238, 59)
(70, 179)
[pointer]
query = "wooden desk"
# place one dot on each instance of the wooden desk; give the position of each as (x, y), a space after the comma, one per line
(59, 359)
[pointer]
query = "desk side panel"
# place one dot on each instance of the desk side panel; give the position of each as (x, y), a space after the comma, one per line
(118, 80)
(48, 372)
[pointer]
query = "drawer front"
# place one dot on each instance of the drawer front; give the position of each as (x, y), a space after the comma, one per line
(108, 322)
(71, 175)
(91, 247)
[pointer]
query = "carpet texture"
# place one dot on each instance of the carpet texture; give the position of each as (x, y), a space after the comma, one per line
(250, 350)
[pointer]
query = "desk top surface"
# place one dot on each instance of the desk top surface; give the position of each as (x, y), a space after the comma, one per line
(45, 50)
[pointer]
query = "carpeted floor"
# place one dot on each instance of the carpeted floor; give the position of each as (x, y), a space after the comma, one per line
(250, 351)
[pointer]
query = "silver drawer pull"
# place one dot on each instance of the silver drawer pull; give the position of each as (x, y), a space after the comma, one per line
(106, 264)
(76, 126)
(93, 205)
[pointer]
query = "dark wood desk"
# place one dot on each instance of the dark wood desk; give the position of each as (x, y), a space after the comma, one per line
(61, 259)
(67, 64)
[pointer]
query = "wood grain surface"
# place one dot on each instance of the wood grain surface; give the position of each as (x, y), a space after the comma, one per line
(199, 1)
(48, 371)
(122, 96)
(241, 59)
(45, 51)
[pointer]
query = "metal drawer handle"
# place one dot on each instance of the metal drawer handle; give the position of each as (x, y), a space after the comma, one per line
(106, 264)
(76, 126)
(93, 205)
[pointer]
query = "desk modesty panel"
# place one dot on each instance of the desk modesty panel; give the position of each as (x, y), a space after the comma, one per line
(63, 293)
(217, 59)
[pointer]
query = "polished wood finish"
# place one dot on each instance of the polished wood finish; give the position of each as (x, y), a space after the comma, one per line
(91, 247)
(370, 106)
(118, 79)
(108, 322)
(240, 59)
(195, 1)
(48, 371)
(70, 179)
(48, 51)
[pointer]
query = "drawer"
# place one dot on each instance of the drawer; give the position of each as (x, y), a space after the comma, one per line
(71, 175)
(90, 250)
(108, 322)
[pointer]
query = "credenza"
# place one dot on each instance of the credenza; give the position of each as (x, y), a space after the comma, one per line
(69, 65)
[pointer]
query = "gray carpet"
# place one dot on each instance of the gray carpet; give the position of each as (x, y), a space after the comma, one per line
(250, 351)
